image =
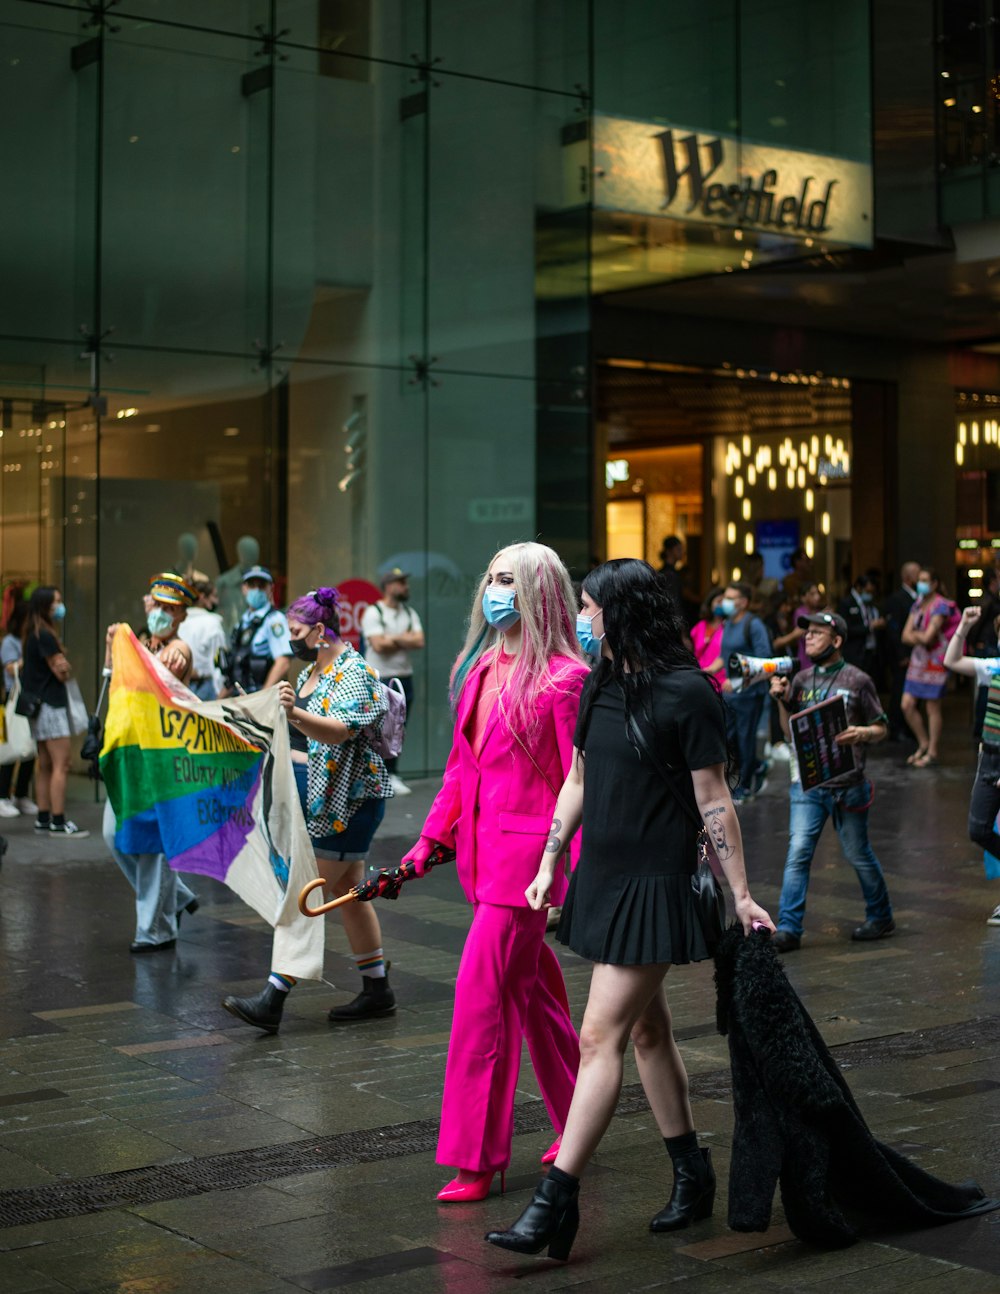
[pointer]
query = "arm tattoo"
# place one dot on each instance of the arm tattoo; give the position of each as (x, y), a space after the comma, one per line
(715, 822)
(554, 845)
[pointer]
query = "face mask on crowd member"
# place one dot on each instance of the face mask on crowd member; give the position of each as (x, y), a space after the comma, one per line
(257, 599)
(498, 606)
(726, 608)
(923, 588)
(59, 611)
(159, 622)
(585, 635)
(301, 648)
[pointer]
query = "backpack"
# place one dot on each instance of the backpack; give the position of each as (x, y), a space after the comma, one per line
(388, 743)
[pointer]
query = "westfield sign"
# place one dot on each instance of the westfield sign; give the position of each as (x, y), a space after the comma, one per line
(714, 179)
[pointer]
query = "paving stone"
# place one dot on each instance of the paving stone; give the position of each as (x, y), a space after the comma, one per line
(174, 1104)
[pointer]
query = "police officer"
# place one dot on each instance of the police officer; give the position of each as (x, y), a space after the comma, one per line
(261, 650)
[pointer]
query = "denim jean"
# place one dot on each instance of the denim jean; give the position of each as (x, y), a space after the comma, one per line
(808, 812)
(159, 891)
(985, 803)
(743, 711)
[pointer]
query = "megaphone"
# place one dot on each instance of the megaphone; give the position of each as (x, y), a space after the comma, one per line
(754, 667)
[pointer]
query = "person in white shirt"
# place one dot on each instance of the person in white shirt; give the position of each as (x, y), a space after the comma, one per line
(392, 632)
(205, 633)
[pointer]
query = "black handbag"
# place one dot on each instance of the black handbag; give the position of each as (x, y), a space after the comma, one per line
(27, 704)
(709, 899)
(94, 740)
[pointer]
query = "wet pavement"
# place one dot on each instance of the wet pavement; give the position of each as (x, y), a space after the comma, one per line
(151, 1144)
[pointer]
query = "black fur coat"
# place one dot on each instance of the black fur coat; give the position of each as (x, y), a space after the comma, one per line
(797, 1123)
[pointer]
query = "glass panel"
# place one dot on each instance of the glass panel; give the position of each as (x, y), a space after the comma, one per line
(672, 62)
(526, 42)
(806, 85)
(358, 503)
(47, 161)
(239, 17)
(348, 249)
(506, 203)
(189, 446)
(184, 200)
(966, 110)
(480, 460)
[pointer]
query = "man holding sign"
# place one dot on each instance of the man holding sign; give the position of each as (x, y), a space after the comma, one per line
(829, 711)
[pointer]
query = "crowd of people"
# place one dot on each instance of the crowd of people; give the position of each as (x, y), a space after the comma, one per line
(600, 735)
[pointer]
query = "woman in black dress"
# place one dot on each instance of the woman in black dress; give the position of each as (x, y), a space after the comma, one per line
(630, 907)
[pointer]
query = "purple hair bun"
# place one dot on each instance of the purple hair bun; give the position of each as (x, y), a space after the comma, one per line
(318, 606)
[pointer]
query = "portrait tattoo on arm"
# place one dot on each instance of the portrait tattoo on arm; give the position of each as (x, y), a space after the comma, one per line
(553, 845)
(715, 820)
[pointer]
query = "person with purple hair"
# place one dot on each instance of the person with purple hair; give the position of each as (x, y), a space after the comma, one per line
(334, 711)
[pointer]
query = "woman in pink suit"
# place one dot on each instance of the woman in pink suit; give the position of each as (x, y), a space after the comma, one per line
(516, 689)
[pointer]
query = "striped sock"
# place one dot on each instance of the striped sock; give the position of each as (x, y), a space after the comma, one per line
(283, 982)
(371, 964)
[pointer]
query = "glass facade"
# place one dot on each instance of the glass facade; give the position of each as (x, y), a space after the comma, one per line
(968, 108)
(319, 272)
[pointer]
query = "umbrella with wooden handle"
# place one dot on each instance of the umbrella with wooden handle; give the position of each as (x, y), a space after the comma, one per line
(384, 886)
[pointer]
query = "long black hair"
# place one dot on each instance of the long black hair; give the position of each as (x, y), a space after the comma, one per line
(645, 631)
(40, 612)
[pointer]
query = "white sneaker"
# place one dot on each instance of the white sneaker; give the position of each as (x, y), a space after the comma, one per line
(26, 805)
(994, 918)
(8, 809)
(399, 787)
(780, 752)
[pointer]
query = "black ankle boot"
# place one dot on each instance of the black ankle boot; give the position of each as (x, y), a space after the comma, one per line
(263, 1010)
(693, 1195)
(550, 1219)
(376, 998)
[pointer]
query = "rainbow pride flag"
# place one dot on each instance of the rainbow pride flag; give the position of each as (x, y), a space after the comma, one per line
(210, 785)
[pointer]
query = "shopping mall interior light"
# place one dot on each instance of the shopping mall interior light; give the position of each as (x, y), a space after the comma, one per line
(810, 546)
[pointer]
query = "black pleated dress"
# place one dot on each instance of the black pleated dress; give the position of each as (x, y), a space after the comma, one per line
(629, 901)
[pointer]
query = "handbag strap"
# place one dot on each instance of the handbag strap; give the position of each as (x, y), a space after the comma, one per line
(651, 754)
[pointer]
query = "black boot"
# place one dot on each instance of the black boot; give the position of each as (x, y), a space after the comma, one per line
(375, 999)
(263, 1010)
(693, 1195)
(550, 1219)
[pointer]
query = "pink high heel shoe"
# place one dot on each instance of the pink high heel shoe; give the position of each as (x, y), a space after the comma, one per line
(552, 1154)
(457, 1192)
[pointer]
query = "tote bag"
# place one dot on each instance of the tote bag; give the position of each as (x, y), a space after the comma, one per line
(17, 744)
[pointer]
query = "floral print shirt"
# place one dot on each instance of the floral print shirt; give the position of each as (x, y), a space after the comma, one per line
(341, 777)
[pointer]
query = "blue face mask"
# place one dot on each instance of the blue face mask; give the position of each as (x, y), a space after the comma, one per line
(59, 611)
(585, 635)
(159, 622)
(867, 597)
(257, 599)
(923, 588)
(726, 607)
(498, 607)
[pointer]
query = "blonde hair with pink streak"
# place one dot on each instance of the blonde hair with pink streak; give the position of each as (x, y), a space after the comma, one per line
(547, 604)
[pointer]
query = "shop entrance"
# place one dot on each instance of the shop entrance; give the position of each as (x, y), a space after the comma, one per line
(735, 462)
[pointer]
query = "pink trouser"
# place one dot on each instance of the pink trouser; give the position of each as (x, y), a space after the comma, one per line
(510, 987)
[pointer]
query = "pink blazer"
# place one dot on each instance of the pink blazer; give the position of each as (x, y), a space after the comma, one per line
(495, 811)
